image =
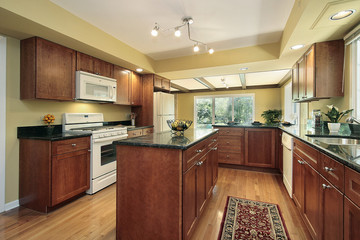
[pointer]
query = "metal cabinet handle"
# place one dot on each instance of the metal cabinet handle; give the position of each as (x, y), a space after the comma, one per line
(328, 169)
(324, 186)
(215, 148)
(74, 144)
(199, 151)
(199, 163)
(301, 162)
(227, 156)
(214, 140)
(227, 142)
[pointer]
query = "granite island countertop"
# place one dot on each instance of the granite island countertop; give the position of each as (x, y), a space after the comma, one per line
(349, 155)
(168, 140)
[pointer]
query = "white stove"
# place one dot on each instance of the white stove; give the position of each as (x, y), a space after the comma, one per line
(103, 152)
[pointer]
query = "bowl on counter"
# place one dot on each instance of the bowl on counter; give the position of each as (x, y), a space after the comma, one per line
(178, 126)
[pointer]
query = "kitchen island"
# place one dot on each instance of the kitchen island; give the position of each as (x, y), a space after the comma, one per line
(163, 183)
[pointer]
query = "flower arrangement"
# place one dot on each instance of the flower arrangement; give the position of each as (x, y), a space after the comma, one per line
(48, 119)
(334, 115)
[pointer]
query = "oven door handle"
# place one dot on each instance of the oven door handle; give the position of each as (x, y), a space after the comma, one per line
(110, 138)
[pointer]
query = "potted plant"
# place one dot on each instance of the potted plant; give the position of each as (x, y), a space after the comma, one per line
(335, 116)
(272, 116)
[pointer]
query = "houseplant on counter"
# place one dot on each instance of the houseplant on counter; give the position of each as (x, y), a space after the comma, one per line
(335, 116)
(272, 116)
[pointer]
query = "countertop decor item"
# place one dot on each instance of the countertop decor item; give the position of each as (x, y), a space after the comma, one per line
(247, 219)
(272, 116)
(178, 126)
(335, 116)
(132, 117)
(48, 119)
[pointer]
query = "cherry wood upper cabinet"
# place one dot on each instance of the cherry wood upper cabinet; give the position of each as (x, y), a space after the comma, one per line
(47, 70)
(320, 71)
(94, 65)
(295, 82)
(161, 83)
(136, 89)
(123, 78)
(260, 145)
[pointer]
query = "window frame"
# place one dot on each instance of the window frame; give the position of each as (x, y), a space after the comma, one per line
(233, 96)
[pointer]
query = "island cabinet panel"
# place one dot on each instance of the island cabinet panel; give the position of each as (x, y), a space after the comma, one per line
(260, 146)
(298, 183)
(54, 172)
(332, 170)
(47, 70)
(351, 220)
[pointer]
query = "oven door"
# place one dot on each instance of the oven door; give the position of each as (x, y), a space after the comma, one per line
(103, 157)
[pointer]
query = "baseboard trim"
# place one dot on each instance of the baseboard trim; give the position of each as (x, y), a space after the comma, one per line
(11, 205)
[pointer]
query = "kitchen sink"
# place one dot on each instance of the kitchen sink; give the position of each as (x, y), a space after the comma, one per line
(337, 141)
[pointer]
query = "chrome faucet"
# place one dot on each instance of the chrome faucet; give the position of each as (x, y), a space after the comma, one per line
(352, 120)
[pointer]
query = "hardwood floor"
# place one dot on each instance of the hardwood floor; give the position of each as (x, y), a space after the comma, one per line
(93, 216)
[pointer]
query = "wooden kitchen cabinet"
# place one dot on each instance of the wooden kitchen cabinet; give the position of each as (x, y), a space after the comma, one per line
(295, 82)
(134, 133)
(320, 72)
(47, 70)
(94, 65)
(52, 172)
(260, 146)
(147, 131)
(351, 220)
(231, 145)
(136, 89)
(123, 85)
(161, 83)
(298, 184)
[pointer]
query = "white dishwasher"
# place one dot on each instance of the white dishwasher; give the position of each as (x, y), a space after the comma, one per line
(287, 142)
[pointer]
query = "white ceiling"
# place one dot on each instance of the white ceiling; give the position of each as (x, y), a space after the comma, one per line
(222, 25)
(252, 79)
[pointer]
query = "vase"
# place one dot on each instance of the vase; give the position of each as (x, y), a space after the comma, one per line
(334, 127)
(133, 122)
(49, 130)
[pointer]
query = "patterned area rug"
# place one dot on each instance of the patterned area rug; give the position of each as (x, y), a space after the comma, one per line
(247, 219)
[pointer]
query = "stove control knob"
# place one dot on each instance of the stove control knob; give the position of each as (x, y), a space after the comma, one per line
(107, 134)
(114, 133)
(101, 135)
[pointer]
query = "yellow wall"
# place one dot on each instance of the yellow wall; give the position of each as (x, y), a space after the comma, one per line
(29, 113)
(264, 99)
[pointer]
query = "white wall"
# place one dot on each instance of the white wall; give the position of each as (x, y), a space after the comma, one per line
(2, 120)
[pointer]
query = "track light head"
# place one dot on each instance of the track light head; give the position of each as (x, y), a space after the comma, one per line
(177, 32)
(155, 30)
(196, 47)
(211, 51)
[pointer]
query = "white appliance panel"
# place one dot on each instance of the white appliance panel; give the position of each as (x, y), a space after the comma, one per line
(287, 142)
(164, 109)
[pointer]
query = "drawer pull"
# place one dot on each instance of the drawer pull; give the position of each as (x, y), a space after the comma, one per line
(214, 140)
(215, 148)
(227, 156)
(199, 163)
(324, 186)
(74, 144)
(329, 169)
(227, 142)
(199, 151)
(301, 162)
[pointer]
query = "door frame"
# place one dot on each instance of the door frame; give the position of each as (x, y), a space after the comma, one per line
(2, 120)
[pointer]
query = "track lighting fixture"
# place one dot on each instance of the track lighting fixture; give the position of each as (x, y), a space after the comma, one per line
(187, 21)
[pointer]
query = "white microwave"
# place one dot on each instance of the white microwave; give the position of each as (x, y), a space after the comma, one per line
(94, 87)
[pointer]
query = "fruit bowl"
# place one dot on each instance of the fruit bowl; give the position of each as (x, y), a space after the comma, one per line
(177, 125)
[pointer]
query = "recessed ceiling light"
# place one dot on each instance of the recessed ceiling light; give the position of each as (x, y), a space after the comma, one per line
(244, 69)
(139, 69)
(211, 51)
(297, 46)
(342, 14)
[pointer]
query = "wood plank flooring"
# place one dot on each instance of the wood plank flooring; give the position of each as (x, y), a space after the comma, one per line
(93, 216)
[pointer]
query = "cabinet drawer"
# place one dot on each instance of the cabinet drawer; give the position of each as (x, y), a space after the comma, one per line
(231, 158)
(231, 131)
(135, 133)
(212, 141)
(307, 153)
(70, 145)
(230, 143)
(147, 131)
(332, 170)
(193, 154)
(352, 185)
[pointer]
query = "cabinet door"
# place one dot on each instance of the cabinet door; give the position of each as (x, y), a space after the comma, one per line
(201, 192)
(189, 201)
(84, 62)
(209, 173)
(351, 220)
(165, 84)
(311, 200)
(310, 73)
(331, 211)
(302, 78)
(298, 181)
(136, 89)
(295, 82)
(103, 68)
(260, 147)
(214, 160)
(123, 78)
(157, 81)
(70, 175)
(55, 71)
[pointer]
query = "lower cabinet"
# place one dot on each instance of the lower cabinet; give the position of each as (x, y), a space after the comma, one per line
(351, 220)
(298, 183)
(54, 172)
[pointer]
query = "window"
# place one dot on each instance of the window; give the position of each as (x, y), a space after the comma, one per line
(222, 109)
(291, 110)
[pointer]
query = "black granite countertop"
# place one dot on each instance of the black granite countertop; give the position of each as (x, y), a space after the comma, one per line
(349, 155)
(49, 134)
(168, 140)
(131, 128)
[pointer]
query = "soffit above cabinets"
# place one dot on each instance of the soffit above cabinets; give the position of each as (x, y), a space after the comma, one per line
(230, 82)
